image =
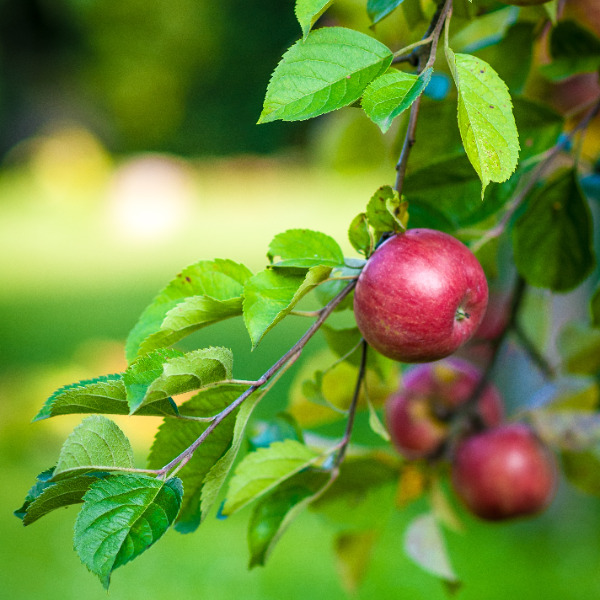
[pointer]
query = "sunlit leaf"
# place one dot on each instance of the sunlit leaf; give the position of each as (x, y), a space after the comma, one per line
(379, 9)
(309, 11)
(122, 516)
(96, 444)
(327, 70)
(391, 94)
(360, 236)
(304, 248)
(485, 118)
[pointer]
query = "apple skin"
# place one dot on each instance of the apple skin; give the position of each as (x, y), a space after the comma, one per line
(421, 295)
(414, 414)
(504, 473)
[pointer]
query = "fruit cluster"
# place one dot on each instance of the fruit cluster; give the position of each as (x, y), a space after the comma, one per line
(420, 297)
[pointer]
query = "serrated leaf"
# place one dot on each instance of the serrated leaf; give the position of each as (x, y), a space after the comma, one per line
(122, 516)
(221, 281)
(391, 94)
(386, 211)
(485, 118)
(326, 71)
(273, 513)
(174, 436)
(304, 248)
(379, 9)
(579, 348)
(96, 444)
(106, 395)
(574, 50)
(42, 481)
(164, 373)
(264, 469)
(309, 11)
(58, 495)
(271, 294)
(353, 553)
(360, 236)
(424, 544)
(552, 238)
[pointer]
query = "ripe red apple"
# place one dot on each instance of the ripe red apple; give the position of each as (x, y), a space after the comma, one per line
(421, 295)
(418, 415)
(504, 472)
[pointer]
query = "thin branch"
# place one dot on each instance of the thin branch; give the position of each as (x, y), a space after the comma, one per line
(343, 445)
(433, 36)
(292, 354)
(536, 356)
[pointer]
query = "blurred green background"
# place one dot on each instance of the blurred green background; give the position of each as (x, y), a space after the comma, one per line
(129, 150)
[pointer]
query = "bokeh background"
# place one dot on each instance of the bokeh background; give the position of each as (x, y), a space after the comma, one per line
(129, 150)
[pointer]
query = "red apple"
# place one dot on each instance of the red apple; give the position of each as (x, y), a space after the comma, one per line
(421, 295)
(418, 415)
(504, 472)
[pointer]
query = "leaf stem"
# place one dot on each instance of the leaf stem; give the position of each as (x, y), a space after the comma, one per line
(292, 354)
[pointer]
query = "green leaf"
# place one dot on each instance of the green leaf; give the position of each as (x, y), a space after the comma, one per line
(271, 294)
(309, 11)
(423, 543)
(391, 94)
(219, 471)
(326, 71)
(360, 236)
(164, 373)
(58, 495)
(42, 481)
(122, 516)
(96, 444)
(264, 469)
(329, 289)
(281, 427)
(386, 211)
(304, 248)
(379, 9)
(595, 307)
(273, 513)
(485, 118)
(104, 394)
(574, 50)
(582, 469)
(579, 347)
(222, 281)
(353, 551)
(552, 239)
(175, 435)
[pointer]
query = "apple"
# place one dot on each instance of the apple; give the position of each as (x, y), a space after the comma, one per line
(504, 472)
(421, 295)
(418, 415)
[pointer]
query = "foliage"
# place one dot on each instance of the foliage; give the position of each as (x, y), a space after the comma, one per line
(463, 177)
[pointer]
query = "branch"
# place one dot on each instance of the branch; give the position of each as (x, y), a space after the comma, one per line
(291, 355)
(432, 37)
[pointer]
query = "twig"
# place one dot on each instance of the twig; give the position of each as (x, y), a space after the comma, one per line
(292, 354)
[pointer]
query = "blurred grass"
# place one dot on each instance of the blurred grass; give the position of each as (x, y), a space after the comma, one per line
(73, 284)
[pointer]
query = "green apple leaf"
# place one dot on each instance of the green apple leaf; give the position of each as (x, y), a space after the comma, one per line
(424, 544)
(164, 373)
(106, 395)
(326, 71)
(574, 49)
(219, 282)
(96, 444)
(272, 514)
(386, 211)
(360, 235)
(552, 238)
(579, 347)
(485, 118)
(264, 469)
(304, 248)
(379, 9)
(42, 481)
(353, 550)
(271, 294)
(174, 436)
(391, 94)
(595, 307)
(122, 516)
(309, 11)
(58, 495)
